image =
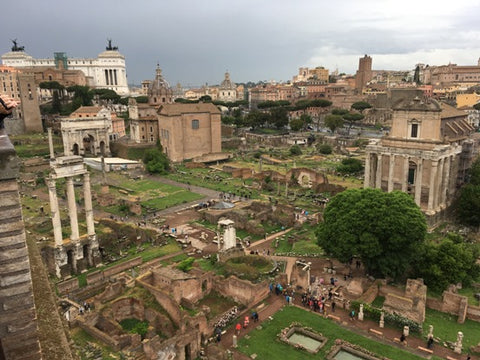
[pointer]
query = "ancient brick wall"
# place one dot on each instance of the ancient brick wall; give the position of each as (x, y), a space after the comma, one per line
(18, 325)
(241, 291)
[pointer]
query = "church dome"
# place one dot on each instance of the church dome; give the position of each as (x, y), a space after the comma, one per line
(227, 84)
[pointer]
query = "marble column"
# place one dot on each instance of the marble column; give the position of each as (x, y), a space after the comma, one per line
(418, 182)
(50, 144)
(88, 205)
(56, 221)
(391, 169)
(431, 186)
(366, 180)
(440, 183)
(405, 174)
(446, 183)
(72, 209)
(378, 176)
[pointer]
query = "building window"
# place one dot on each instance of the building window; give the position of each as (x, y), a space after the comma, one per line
(195, 124)
(414, 131)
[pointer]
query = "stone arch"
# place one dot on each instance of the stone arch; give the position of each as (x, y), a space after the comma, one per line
(88, 144)
(102, 148)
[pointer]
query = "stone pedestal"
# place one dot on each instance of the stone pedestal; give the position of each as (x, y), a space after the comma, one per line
(406, 331)
(360, 313)
(458, 344)
(234, 341)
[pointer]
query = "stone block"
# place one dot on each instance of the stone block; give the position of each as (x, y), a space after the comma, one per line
(15, 290)
(12, 240)
(9, 198)
(11, 212)
(10, 280)
(14, 267)
(12, 254)
(13, 226)
(18, 302)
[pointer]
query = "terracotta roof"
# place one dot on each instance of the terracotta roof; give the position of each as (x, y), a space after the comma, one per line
(449, 112)
(178, 109)
(88, 109)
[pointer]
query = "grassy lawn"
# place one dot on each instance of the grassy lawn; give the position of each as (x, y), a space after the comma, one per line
(264, 342)
(445, 327)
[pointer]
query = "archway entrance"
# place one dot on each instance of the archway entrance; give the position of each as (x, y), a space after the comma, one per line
(102, 148)
(89, 145)
(75, 149)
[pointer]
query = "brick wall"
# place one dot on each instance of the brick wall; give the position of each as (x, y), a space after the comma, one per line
(18, 326)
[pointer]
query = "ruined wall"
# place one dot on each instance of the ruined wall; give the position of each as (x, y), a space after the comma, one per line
(18, 325)
(242, 291)
(162, 298)
(411, 304)
(128, 308)
(116, 269)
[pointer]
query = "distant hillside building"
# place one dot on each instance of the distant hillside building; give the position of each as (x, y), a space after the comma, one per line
(451, 73)
(159, 91)
(107, 71)
(319, 74)
(426, 154)
(188, 131)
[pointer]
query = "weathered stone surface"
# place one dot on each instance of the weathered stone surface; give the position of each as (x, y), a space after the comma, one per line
(16, 303)
(9, 198)
(14, 267)
(15, 225)
(12, 254)
(18, 239)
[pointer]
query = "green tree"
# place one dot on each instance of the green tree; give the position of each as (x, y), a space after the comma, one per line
(352, 118)
(333, 122)
(156, 162)
(383, 229)
(143, 99)
(449, 262)
(350, 166)
(468, 203)
(256, 119)
(279, 117)
(82, 95)
(297, 124)
(361, 105)
(205, 98)
(340, 112)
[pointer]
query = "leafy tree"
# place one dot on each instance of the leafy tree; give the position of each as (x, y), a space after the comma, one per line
(228, 120)
(295, 150)
(320, 103)
(361, 105)
(183, 101)
(297, 124)
(56, 104)
(279, 117)
(350, 166)
(416, 75)
(107, 94)
(340, 112)
(325, 149)
(82, 95)
(449, 262)
(143, 99)
(51, 85)
(352, 118)
(156, 162)
(205, 98)
(272, 104)
(256, 119)
(468, 203)
(383, 229)
(333, 122)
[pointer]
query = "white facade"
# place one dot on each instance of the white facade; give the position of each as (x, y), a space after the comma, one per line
(107, 71)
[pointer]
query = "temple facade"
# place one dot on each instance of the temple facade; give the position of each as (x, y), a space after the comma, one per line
(426, 153)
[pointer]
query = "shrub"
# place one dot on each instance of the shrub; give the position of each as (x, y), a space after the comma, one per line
(295, 150)
(350, 166)
(325, 149)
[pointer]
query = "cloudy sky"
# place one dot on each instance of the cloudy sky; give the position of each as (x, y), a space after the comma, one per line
(196, 41)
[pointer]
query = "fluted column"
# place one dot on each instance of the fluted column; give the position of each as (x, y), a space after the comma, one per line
(431, 185)
(391, 169)
(56, 221)
(440, 182)
(418, 182)
(405, 174)
(72, 209)
(366, 180)
(446, 176)
(87, 194)
(378, 176)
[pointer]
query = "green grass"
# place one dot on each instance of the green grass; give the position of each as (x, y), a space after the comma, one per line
(445, 327)
(181, 197)
(264, 342)
(470, 294)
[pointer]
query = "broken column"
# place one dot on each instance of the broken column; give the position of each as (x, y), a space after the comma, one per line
(72, 210)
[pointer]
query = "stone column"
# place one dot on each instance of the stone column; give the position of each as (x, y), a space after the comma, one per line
(446, 183)
(50, 144)
(440, 184)
(88, 205)
(431, 190)
(391, 169)
(378, 176)
(366, 180)
(56, 222)
(72, 209)
(418, 182)
(405, 174)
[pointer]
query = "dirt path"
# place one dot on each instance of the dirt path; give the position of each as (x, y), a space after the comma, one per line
(53, 339)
